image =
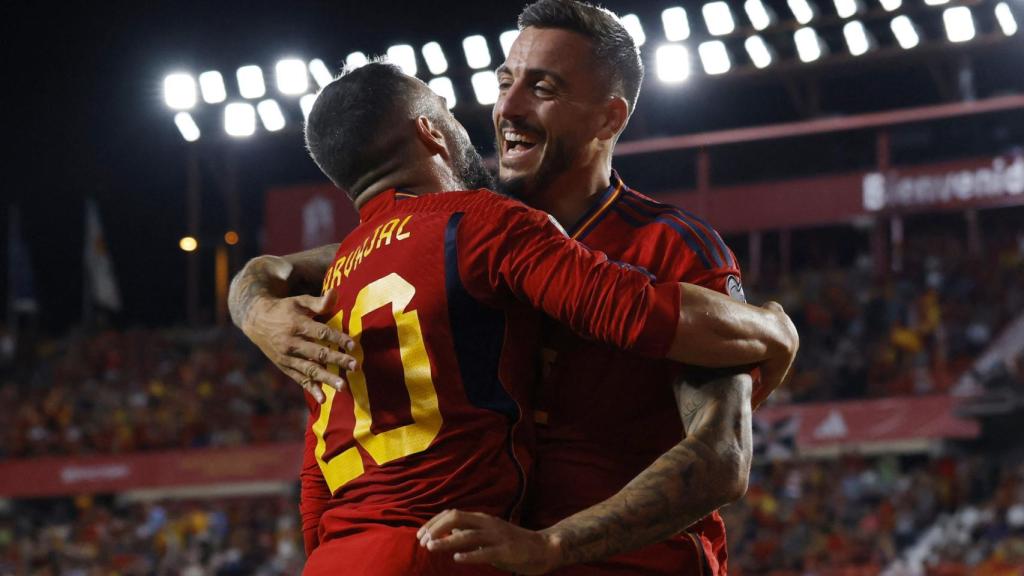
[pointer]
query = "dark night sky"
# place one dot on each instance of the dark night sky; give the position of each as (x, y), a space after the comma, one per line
(85, 117)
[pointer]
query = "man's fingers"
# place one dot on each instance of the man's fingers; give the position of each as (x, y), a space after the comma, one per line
(314, 372)
(307, 384)
(450, 520)
(321, 354)
(308, 328)
(462, 541)
(486, 555)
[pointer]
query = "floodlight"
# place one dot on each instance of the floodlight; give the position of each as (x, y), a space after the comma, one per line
(857, 39)
(320, 72)
(809, 46)
(403, 56)
(292, 78)
(356, 60)
(239, 119)
(250, 82)
(442, 86)
(905, 31)
(632, 25)
(306, 103)
(718, 18)
(959, 23)
(802, 11)
(188, 244)
(1006, 20)
(187, 126)
(714, 57)
(673, 63)
(485, 85)
(760, 16)
(434, 56)
(180, 91)
(848, 8)
(211, 84)
(270, 114)
(477, 54)
(936, 2)
(676, 23)
(759, 51)
(507, 38)
(891, 5)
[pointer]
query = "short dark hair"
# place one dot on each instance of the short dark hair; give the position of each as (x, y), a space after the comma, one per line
(344, 131)
(613, 47)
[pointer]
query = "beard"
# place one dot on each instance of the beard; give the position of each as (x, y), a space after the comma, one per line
(557, 161)
(467, 164)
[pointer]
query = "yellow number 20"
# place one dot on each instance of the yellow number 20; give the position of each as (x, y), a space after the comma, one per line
(398, 442)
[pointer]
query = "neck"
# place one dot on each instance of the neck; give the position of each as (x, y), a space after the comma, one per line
(416, 177)
(572, 193)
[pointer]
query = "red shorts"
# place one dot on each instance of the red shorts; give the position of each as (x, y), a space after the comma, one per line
(386, 552)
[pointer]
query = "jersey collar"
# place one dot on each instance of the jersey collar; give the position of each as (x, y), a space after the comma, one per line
(382, 202)
(598, 209)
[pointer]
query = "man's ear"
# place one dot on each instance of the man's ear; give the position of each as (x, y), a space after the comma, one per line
(431, 136)
(613, 121)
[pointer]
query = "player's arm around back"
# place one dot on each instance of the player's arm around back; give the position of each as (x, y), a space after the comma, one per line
(269, 300)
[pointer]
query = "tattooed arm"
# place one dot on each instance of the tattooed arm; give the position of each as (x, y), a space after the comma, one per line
(706, 470)
(282, 325)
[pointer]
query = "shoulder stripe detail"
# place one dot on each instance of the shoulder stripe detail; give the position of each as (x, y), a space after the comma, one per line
(602, 207)
(663, 212)
(710, 237)
(685, 231)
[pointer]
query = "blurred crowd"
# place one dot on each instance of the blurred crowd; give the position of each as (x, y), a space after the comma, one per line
(116, 392)
(913, 332)
(86, 537)
(856, 517)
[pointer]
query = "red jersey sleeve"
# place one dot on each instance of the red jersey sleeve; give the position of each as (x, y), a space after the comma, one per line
(516, 251)
(315, 496)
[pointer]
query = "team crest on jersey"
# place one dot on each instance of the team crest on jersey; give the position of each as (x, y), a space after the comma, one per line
(735, 288)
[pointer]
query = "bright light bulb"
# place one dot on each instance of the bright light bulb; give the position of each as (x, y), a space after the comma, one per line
(759, 51)
(292, 78)
(270, 114)
(1006, 20)
(959, 23)
(672, 63)
(507, 38)
(905, 31)
(211, 84)
(320, 72)
(239, 119)
(802, 11)
(434, 56)
(306, 104)
(856, 37)
(250, 82)
(442, 86)
(808, 44)
(180, 91)
(485, 86)
(478, 55)
(356, 60)
(759, 15)
(631, 22)
(187, 126)
(718, 18)
(676, 23)
(714, 57)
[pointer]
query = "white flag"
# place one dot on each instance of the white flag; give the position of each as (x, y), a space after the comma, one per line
(99, 268)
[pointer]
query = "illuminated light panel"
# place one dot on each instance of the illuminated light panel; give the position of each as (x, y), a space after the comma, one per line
(718, 18)
(211, 85)
(187, 126)
(180, 91)
(507, 38)
(808, 44)
(672, 62)
(676, 23)
(403, 56)
(891, 5)
(759, 51)
(250, 82)
(1006, 20)
(759, 15)
(239, 119)
(959, 23)
(485, 86)
(848, 8)
(802, 11)
(434, 57)
(857, 39)
(321, 74)
(478, 55)
(270, 114)
(442, 86)
(905, 31)
(356, 60)
(631, 22)
(292, 78)
(306, 103)
(188, 244)
(936, 2)
(714, 57)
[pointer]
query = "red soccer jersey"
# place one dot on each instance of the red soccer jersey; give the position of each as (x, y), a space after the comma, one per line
(591, 438)
(439, 292)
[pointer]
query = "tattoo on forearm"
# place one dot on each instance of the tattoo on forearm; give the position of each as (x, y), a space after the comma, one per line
(682, 486)
(245, 288)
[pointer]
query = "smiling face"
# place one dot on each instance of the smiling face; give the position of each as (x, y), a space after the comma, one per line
(550, 111)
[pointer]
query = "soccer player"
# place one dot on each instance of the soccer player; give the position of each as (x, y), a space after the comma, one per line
(614, 464)
(436, 288)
